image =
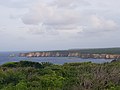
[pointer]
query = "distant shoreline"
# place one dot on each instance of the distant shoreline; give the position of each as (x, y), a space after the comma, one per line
(100, 53)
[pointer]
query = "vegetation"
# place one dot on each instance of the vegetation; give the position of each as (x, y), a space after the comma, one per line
(26, 75)
(97, 51)
(100, 51)
(89, 51)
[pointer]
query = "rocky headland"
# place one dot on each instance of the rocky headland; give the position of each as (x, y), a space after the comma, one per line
(72, 53)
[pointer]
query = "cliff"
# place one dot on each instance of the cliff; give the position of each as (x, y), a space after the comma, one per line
(69, 53)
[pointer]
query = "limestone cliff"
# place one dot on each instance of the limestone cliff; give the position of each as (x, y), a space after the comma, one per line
(69, 54)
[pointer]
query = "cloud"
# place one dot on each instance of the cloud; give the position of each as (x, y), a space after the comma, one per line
(67, 16)
(16, 3)
(71, 3)
(52, 17)
(102, 24)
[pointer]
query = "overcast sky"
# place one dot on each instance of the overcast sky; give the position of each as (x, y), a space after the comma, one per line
(59, 24)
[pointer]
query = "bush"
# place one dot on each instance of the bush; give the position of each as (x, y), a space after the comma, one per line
(26, 75)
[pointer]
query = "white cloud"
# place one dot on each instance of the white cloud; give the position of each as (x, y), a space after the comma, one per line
(16, 3)
(102, 24)
(51, 15)
(53, 18)
(69, 23)
(58, 15)
(71, 3)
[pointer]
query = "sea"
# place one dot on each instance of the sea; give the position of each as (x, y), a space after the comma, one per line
(14, 57)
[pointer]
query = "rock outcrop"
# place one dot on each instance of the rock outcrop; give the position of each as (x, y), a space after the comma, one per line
(69, 54)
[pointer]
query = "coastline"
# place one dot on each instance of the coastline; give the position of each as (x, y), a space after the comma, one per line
(70, 54)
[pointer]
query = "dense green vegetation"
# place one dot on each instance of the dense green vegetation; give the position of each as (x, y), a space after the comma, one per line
(100, 51)
(26, 75)
(89, 51)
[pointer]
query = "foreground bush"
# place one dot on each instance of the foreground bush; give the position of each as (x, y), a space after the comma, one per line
(26, 75)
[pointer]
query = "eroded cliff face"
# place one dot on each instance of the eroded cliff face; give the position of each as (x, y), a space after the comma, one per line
(70, 54)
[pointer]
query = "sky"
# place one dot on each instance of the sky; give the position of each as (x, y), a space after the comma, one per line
(27, 25)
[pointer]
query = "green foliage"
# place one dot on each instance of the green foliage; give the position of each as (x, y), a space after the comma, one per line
(27, 64)
(46, 64)
(26, 75)
(99, 51)
(10, 64)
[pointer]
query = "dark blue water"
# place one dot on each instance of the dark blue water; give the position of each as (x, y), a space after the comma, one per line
(5, 57)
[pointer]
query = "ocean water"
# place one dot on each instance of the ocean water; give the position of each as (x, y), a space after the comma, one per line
(5, 57)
